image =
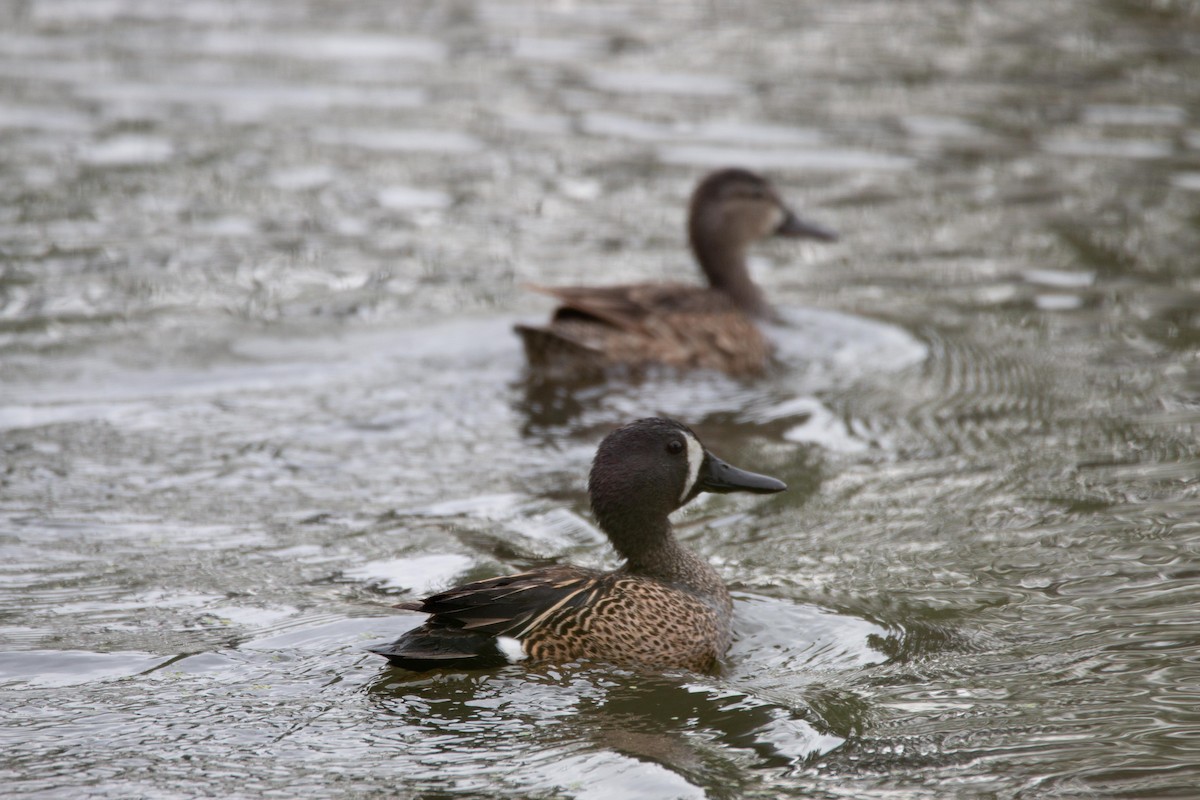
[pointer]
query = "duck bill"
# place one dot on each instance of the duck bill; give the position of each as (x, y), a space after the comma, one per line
(796, 228)
(722, 477)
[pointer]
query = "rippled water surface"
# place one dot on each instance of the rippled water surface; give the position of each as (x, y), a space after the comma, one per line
(258, 266)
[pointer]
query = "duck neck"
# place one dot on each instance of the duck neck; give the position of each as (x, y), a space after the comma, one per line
(652, 551)
(724, 264)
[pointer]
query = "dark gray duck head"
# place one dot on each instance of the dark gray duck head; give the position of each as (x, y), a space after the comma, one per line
(730, 210)
(645, 470)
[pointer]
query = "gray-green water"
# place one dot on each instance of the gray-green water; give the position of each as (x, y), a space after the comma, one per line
(258, 262)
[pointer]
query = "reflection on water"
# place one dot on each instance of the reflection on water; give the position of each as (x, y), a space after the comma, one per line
(258, 268)
(704, 734)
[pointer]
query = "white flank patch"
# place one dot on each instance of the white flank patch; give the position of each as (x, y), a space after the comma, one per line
(512, 649)
(695, 455)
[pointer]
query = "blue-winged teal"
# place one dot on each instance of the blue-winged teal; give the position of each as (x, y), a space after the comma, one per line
(636, 325)
(666, 607)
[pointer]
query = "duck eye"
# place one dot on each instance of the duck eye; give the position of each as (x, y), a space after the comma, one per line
(675, 447)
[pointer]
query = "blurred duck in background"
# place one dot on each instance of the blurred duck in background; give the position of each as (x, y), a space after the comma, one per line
(633, 326)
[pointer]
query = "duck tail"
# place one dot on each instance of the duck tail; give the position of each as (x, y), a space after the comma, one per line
(427, 648)
(545, 347)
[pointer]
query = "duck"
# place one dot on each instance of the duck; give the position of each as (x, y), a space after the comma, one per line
(664, 607)
(598, 329)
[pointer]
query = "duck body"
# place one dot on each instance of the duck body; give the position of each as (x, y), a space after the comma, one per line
(597, 330)
(563, 614)
(665, 607)
(634, 326)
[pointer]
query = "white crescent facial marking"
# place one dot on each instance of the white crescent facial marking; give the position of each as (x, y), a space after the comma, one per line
(777, 218)
(695, 457)
(511, 648)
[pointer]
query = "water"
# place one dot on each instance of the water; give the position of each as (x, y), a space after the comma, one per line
(258, 263)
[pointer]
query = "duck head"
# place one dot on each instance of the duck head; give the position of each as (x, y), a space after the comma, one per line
(645, 470)
(730, 209)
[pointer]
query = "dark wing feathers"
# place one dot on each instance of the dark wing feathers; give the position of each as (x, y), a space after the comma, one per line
(612, 305)
(464, 622)
(512, 605)
(690, 327)
(628, 306)
(430, 648)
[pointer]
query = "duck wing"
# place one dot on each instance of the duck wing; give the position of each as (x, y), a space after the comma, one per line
(512, 605)
(628, 306)
(678, 325)
(466, 622)
(617, 306)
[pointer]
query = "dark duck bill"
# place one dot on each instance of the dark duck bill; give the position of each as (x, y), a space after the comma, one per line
(718, 475)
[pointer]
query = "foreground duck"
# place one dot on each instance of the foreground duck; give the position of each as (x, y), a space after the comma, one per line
(666, 607)
(678, 325)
